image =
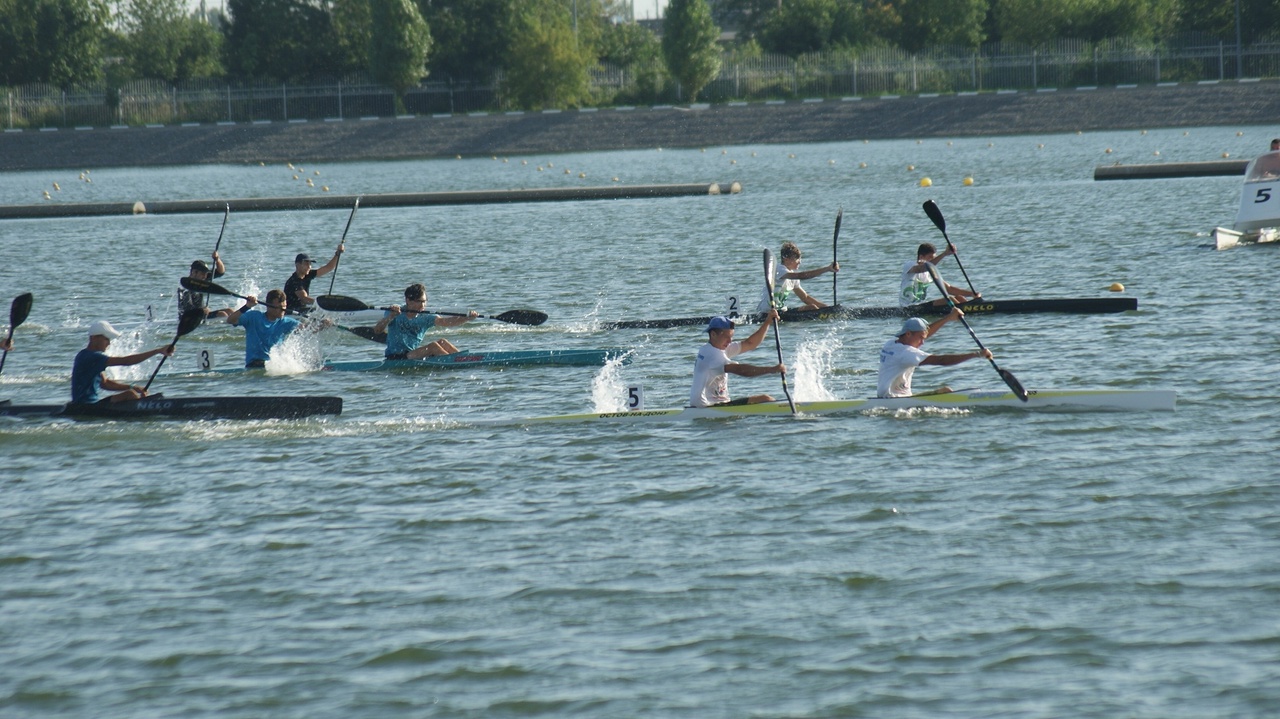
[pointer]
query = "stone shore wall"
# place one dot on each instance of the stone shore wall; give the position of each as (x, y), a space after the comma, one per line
(910, 116)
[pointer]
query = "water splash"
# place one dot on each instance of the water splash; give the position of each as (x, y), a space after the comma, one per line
(811, 364)
(298, 352)
(590, 322)
(608, 388)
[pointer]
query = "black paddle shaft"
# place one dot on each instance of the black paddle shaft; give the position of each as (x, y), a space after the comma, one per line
(342, 242)
(931, 209)
(777, 339)
(835, 257)
(18, 311)
(1005, 374)
(189, 320)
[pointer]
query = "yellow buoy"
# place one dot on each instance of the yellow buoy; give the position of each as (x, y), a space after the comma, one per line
(615, 179)
(1116, 287)
(926, 182)
(919, 142)
(911, 168)
(1226, 155)
(139, 208)
(325, 188)
(1156, 153)
(290, 164)
(539, 168)
(1239, 134)
(1040, 146)
(968, 182)
(56, 187)
(582, 174)
(862, 165)
(316, 173)
(551, 164)
(724, 152)
(831, 162)
(1144, 132)
(295, 177)
(566, 170)
(792, 156)
(733, 162)
(753, 154)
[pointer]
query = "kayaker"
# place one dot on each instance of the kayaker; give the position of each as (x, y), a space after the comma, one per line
(900, 356)
(1275, 144)
(263, 330)
(88, 373)
(188, 299)
(915, 284)
(714, 364)
(406, 327)
(298, 287)
(786, 282)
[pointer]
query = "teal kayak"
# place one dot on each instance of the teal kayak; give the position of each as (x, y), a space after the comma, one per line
(581, 358)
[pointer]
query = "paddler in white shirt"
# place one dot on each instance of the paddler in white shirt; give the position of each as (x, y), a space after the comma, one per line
(915, 284)
(900, 356)
(715, 363)
(786, 281)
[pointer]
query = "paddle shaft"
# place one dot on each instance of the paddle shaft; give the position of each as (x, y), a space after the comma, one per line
(932, 210)
(835, 257)
(189, 320)
(1005, 375)
(214, 273)
(342, 242)
(777, 338)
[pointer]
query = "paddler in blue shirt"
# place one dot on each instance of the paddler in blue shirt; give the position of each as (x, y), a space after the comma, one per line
(263, 330)
(88, 375)
(406, 328)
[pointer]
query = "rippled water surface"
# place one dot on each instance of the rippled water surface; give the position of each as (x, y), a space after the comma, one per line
(405, 559)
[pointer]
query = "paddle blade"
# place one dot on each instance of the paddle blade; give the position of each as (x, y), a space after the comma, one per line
(189, 320)
(935, 214)
(19, 310)
(768, 270)
(367, 333)
(839, 217)
(340, 303)
(1014, 384)
(531, 318)
(198, 285)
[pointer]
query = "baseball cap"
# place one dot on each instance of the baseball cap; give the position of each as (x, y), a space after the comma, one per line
(915, 324)
(302, 257)
(200, 265)
(720, 322)
(104, 328)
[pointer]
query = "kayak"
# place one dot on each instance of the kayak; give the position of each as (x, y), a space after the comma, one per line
(982, 306)
(1098, 399)
(161, 407)
(459, 360)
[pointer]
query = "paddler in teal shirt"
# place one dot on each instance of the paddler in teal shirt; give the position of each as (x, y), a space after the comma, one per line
(408, 327)
(263, 330)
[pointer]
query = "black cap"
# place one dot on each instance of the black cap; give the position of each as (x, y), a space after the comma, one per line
(200, 265)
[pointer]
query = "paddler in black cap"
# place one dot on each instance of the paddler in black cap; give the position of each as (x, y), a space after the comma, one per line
(298, 287)
(196, 300)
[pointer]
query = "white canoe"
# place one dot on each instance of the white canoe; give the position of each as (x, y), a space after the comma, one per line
(1092, 399)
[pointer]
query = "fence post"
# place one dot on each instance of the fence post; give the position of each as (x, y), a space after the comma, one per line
(855, 76)
(9, 96)
(229, 116)
(1221, 62)
(1157, 65)
(914, 84)
(340, 100)
(173, 95)
(1095, 65)
(284, 100)
(64, 108)
(1035, 81)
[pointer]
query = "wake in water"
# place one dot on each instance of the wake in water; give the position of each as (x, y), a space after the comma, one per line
(810, 365)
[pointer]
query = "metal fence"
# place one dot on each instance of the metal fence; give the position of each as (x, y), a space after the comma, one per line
(771, 77)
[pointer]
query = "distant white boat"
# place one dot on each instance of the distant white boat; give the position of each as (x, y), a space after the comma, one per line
(1258, 219)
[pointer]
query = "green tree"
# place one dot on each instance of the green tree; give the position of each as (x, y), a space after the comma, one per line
(689, 45)
(942, 22)
(55, 41)
(1040, 21)
(546, 64)
(161, 41)
(470, 37)
(400, 41)
(282, 40)
(352, 26)
(1259, 19)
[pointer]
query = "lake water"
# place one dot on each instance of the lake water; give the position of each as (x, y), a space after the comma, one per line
(402, 560)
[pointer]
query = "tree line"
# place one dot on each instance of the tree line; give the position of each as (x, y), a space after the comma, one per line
(539, 53)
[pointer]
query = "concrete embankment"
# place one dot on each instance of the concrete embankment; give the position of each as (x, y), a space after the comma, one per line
(832, 120)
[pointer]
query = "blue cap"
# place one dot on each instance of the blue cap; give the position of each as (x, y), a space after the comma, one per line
(720, 322)
(915, 324)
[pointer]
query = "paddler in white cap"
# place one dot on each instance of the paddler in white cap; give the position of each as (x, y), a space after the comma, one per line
(901, 355)
(88, 374)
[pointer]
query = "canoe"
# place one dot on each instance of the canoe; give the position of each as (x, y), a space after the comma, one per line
(1081, 305)
(161, 407)
(579, 358)
(1097, 399)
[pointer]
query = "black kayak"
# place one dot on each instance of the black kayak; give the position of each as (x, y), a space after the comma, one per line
(983, 306)
(161, 407)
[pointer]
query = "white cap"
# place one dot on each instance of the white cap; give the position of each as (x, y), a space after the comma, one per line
(104, 328)
(915, 324)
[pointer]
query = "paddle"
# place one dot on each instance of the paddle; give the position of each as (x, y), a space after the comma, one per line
(342, 242)
(1005, 374)
(835, 257)
(342, 303)
(777, 340)
(18, 312)
(214, 269)
(197, 285)
(189, 320)
(935, 214)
